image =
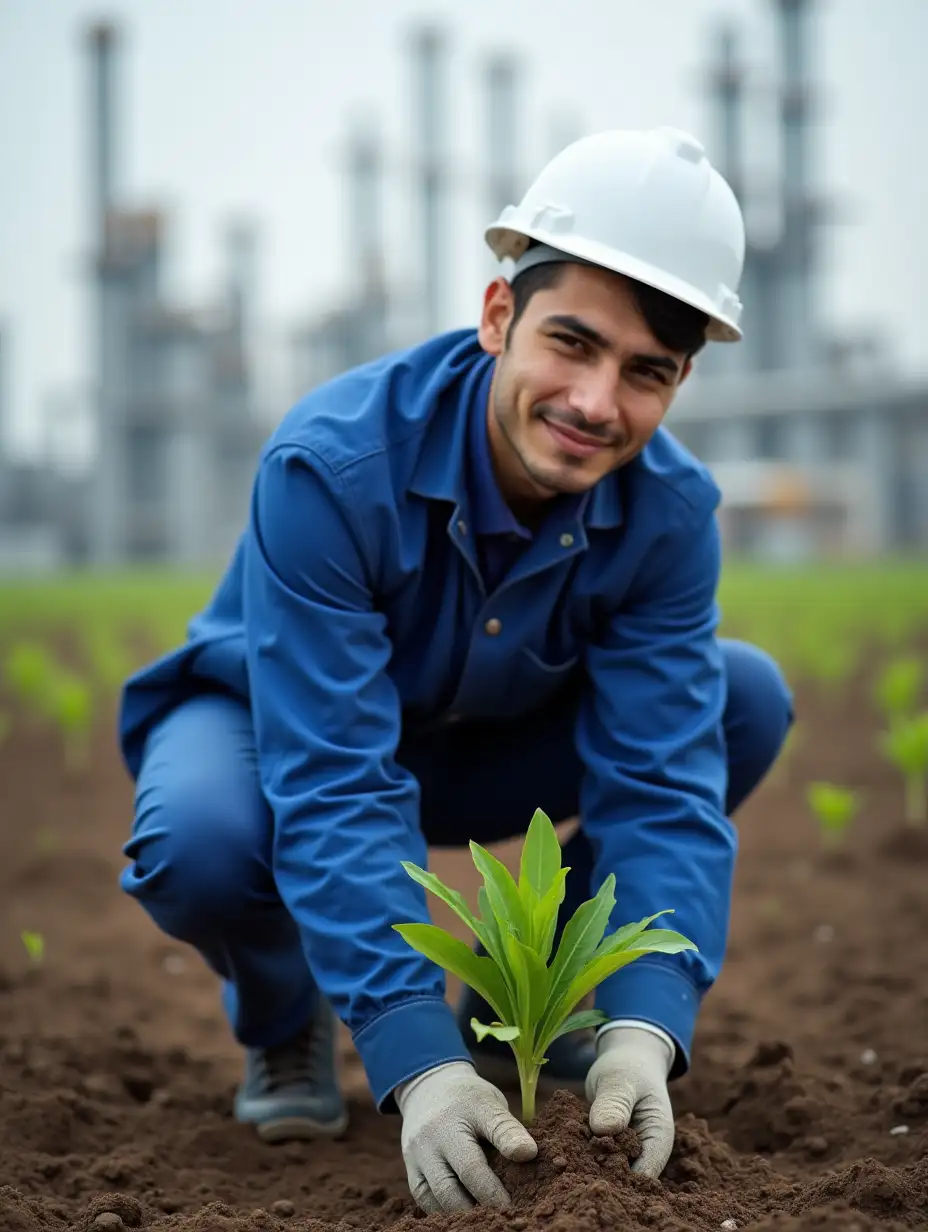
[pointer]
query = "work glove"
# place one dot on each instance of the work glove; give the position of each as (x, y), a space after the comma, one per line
(445, 1112)
(627, 1086)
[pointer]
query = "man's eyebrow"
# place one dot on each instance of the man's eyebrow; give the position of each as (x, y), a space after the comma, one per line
(580, 328)
(659, 361)
(595, 338)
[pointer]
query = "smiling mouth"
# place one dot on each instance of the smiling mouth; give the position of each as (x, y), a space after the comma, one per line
(577, 444)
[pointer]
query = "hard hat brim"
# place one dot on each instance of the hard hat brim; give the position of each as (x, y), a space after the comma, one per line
(507, 242)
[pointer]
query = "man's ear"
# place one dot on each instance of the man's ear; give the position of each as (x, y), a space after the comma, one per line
(685, 370)
(498, 308)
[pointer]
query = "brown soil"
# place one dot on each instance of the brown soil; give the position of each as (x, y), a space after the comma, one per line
(116, 1069)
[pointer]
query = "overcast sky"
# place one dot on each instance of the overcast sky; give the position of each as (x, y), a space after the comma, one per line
(237, 106)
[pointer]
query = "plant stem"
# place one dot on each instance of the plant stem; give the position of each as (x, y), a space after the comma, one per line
(916, 799)
(528, 1082)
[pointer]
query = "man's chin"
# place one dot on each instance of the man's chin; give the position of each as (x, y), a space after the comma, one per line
(564, 481)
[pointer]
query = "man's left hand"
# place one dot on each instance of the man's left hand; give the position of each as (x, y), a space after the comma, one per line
(627, 1086)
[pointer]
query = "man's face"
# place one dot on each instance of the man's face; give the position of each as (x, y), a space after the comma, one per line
(580, 386)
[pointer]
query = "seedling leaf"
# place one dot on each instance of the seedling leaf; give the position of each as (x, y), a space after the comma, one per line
(478, 972)
(496, 1029)
(451, 898)
(544, 926)
(835, 808)
(34, 944)
(541, 857)
(599, 969)
(579, 1022)
(581, 936)
(502, 891)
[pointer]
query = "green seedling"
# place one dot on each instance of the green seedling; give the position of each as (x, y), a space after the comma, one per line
(109, 661)
(72, 709)
(906, 746)
(834, 808)
(533, 995)
(898, 688)
(830, 661)
(34, 945)
(30, 670)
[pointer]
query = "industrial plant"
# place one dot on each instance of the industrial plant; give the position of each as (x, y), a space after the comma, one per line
(818, 449)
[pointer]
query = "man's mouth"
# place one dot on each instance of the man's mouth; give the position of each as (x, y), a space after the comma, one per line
(569, 440)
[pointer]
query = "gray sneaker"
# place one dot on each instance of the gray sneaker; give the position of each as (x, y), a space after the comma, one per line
(291, 1091)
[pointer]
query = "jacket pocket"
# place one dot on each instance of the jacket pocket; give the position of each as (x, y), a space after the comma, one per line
(532, 682)
(551, 669)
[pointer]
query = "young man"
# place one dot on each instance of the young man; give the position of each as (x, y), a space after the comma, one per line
(478, 578)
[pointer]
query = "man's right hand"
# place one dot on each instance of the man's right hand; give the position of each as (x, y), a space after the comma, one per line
(446, 1111)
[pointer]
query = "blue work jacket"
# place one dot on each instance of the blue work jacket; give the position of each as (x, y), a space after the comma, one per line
(354, 606)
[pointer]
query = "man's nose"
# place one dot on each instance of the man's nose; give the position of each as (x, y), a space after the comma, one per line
(596, 397)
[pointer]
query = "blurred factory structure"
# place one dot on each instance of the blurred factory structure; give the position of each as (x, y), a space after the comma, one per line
(818, 447)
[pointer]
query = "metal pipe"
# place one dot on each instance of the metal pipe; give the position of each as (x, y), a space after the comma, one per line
(728, 88)
(501, 73)
(796, 256)
(429, 120)
(101, 39)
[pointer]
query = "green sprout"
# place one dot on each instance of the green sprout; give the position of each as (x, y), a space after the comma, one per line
(906, 746)
(109, 660)
(30, 670)
(34, 944)
(830, 661)
(533, 998)
(834, 808)
(898, 687)
(71, 705)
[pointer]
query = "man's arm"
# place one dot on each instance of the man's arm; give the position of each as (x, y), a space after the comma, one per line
(327, 723)
(653, 800)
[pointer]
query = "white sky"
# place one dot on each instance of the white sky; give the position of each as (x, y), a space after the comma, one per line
(239, 106)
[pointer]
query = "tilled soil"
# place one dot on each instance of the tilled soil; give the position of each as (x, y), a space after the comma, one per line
(806, 1108)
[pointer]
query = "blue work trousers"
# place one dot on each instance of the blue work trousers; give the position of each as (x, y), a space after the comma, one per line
(200, 847)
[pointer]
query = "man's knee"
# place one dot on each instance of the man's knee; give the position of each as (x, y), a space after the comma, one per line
(195, 856)
(758, 715)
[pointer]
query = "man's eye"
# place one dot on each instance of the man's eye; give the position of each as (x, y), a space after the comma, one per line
(568, 340)
(652, 374)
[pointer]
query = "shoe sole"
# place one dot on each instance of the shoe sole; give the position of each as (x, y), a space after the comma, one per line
(503, 1074)
(290, 1129)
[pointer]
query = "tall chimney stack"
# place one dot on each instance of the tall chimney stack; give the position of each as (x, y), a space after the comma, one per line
(500, 76)
(797, 256)
(365, 207)
(102, 39)
(365, 211)
(728, 90)
(241, 249)
(429, 107)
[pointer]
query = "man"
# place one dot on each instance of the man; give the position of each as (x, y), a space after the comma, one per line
(478, 577)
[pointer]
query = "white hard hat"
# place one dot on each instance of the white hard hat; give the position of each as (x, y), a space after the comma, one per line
(647, 204)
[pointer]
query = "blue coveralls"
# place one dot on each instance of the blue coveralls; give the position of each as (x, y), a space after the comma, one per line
(390, 660)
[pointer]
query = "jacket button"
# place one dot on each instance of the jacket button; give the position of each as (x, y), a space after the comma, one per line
(567, 541)
(493, 626)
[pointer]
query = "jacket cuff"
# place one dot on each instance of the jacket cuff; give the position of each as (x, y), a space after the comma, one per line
(661, 995)
(405, 1041)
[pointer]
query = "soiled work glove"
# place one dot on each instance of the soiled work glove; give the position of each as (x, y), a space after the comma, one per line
(445, 1112)
(627, 1085)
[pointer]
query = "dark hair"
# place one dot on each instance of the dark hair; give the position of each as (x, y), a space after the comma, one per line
(674, 324)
